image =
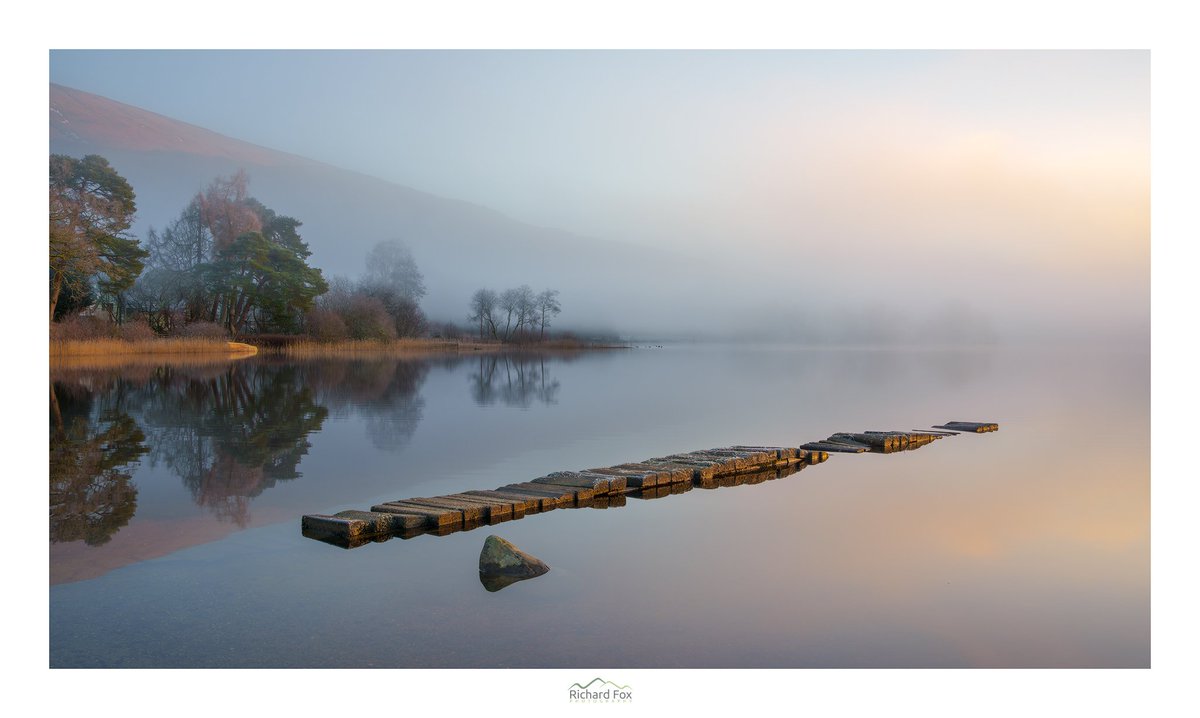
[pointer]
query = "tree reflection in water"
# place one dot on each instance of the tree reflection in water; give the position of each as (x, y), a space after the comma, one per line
(93, 447)
(231, 431)
(232, 434)
(513, 379)
(384, 392)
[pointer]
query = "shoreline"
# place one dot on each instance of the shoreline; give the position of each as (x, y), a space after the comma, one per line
(116, 352)
(424, 347)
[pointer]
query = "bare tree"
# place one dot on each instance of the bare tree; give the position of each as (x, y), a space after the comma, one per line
(509, 299)
(547, 306)
(483, 311)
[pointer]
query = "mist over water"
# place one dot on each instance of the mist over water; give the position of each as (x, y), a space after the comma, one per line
(832, 197)
(1026, 547)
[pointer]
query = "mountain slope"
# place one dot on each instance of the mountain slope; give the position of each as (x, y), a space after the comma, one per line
(458, 245)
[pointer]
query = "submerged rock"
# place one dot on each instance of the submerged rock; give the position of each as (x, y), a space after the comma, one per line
(502, 564)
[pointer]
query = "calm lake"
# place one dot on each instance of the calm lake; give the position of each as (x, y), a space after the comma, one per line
(176, 494)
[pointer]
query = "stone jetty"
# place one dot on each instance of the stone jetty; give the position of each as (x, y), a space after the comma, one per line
(609, 486)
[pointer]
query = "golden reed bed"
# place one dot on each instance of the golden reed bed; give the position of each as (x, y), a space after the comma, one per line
(350, 348)
(99, 353)
(109, 347)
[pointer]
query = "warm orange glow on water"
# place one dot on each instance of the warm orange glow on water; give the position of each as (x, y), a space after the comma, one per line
(1026, 547)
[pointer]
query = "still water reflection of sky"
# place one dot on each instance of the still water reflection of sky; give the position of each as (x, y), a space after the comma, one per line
(176, 494)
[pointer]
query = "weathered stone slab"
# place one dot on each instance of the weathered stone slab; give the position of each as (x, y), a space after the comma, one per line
(663, 473)
(900, 438)
(496, 507)
(750, 457)
(571, 492)
(969, 426)
(697, 470)
(876, 443)
(919, 438)
(548, 497)
(548, 503)
(525, 503)
(883, 442)
(317, 525)
(711, 466)
(534, 503)
(781, 452)
(470, 511)
(383, 522)
(723, 463)
(834, 447)
(818, 457)
(633, 478)
(434, 517)
(597, 483)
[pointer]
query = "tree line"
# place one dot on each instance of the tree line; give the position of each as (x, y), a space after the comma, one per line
(230, 265)
(514, 314)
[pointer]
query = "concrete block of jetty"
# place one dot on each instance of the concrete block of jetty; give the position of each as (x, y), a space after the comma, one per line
(974, 427)
(608, 486)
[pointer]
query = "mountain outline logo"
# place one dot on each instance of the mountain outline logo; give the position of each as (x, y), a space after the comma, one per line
(606, 692)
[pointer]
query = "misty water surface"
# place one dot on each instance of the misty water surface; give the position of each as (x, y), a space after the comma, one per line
(176, 494)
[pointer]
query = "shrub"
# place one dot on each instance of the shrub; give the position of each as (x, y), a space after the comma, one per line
(409, 319)
(136, 332)
(82, 328)
(325, 325)
(367, 318)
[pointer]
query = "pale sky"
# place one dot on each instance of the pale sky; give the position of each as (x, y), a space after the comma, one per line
(988, 171)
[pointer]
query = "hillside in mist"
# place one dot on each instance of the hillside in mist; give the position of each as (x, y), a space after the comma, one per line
(458, 246)
(889, 252)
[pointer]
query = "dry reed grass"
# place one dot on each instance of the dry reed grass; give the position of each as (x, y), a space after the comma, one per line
(357, 347)
(407, 347)
(112, 347)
